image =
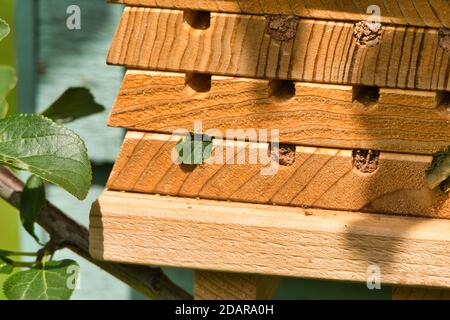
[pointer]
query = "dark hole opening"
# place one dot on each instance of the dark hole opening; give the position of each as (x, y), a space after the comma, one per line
(198, 82)
(200, 20)
(367, 95)
(281, 89)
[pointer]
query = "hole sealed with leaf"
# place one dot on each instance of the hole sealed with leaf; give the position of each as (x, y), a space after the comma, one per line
(194, 149)
(199, 20)
(198, 82)
(281, 90)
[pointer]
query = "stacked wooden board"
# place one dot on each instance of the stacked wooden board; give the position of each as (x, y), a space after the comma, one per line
(358, 113)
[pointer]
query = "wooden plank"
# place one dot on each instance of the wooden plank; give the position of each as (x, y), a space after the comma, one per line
(319, 177)
(409, 293)
(337, 116)
(270, 240)
(233, 286)
(321, 51)
(430, 13)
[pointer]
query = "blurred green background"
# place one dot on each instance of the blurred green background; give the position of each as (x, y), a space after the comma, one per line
(50, 58)
(9, 235)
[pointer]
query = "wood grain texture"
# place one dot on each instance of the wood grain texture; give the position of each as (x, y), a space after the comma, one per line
(319, 177)
(233, 286)
(409, 293)
(270, 240)
(321, 51)
(318, 115)
(431, 13)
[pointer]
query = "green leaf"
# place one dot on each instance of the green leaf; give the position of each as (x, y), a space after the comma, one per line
(439, 172)
(31, 203)
(194, 149)
(56, 154)
(6, 266)
(52, 281)
(75, 103)
(8, 81)
(4, 29)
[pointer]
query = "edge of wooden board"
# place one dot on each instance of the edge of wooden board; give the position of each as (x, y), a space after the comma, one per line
(321, 51)
(316, 177)
(328, 115)
(272, 240)
(430, 13)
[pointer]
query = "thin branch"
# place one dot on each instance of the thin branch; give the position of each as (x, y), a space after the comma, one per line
(151, 282)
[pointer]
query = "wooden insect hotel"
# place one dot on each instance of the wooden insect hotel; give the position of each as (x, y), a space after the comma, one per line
(359, 107)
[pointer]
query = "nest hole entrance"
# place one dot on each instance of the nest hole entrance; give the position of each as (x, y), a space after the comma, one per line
(282, 90)
(366, 161)
(284, 154)
(368, 96)
(199, 20)
(198, 82)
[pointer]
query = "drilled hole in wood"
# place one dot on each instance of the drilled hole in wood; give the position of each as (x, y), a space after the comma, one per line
(368, 96)
(367, 34)
(281, 89)
(198, 82)
(284, 154)
(282, 28)
(200, 20)
(366, 161)
(444, 39)
(444, 105)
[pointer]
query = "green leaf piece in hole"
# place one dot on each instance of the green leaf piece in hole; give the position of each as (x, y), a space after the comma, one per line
(56, 154)
(8, 81)
(4, 29)
(194, 149)
(31, 203)
(439, 172)
(55, 280)
(75, 103)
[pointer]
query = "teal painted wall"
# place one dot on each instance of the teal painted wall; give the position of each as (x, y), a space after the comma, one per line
(66, 58)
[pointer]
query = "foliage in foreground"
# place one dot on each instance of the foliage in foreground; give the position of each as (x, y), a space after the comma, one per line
(438, 175)
(40, 145)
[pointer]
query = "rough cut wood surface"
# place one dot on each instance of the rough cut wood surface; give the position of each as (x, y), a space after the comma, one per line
(233, 286)
(321, 51)
(409, 293)
(431, 13)
(337, 116)
(319, 177)
(266, 239)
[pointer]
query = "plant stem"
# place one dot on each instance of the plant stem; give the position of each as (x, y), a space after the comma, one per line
(21, 254)
(151, 282)
(21, 264)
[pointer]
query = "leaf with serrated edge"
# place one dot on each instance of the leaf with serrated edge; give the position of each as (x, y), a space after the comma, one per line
(31, 203)
(36, 144)
(4, 29)
(75, 103)
(49, 282)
